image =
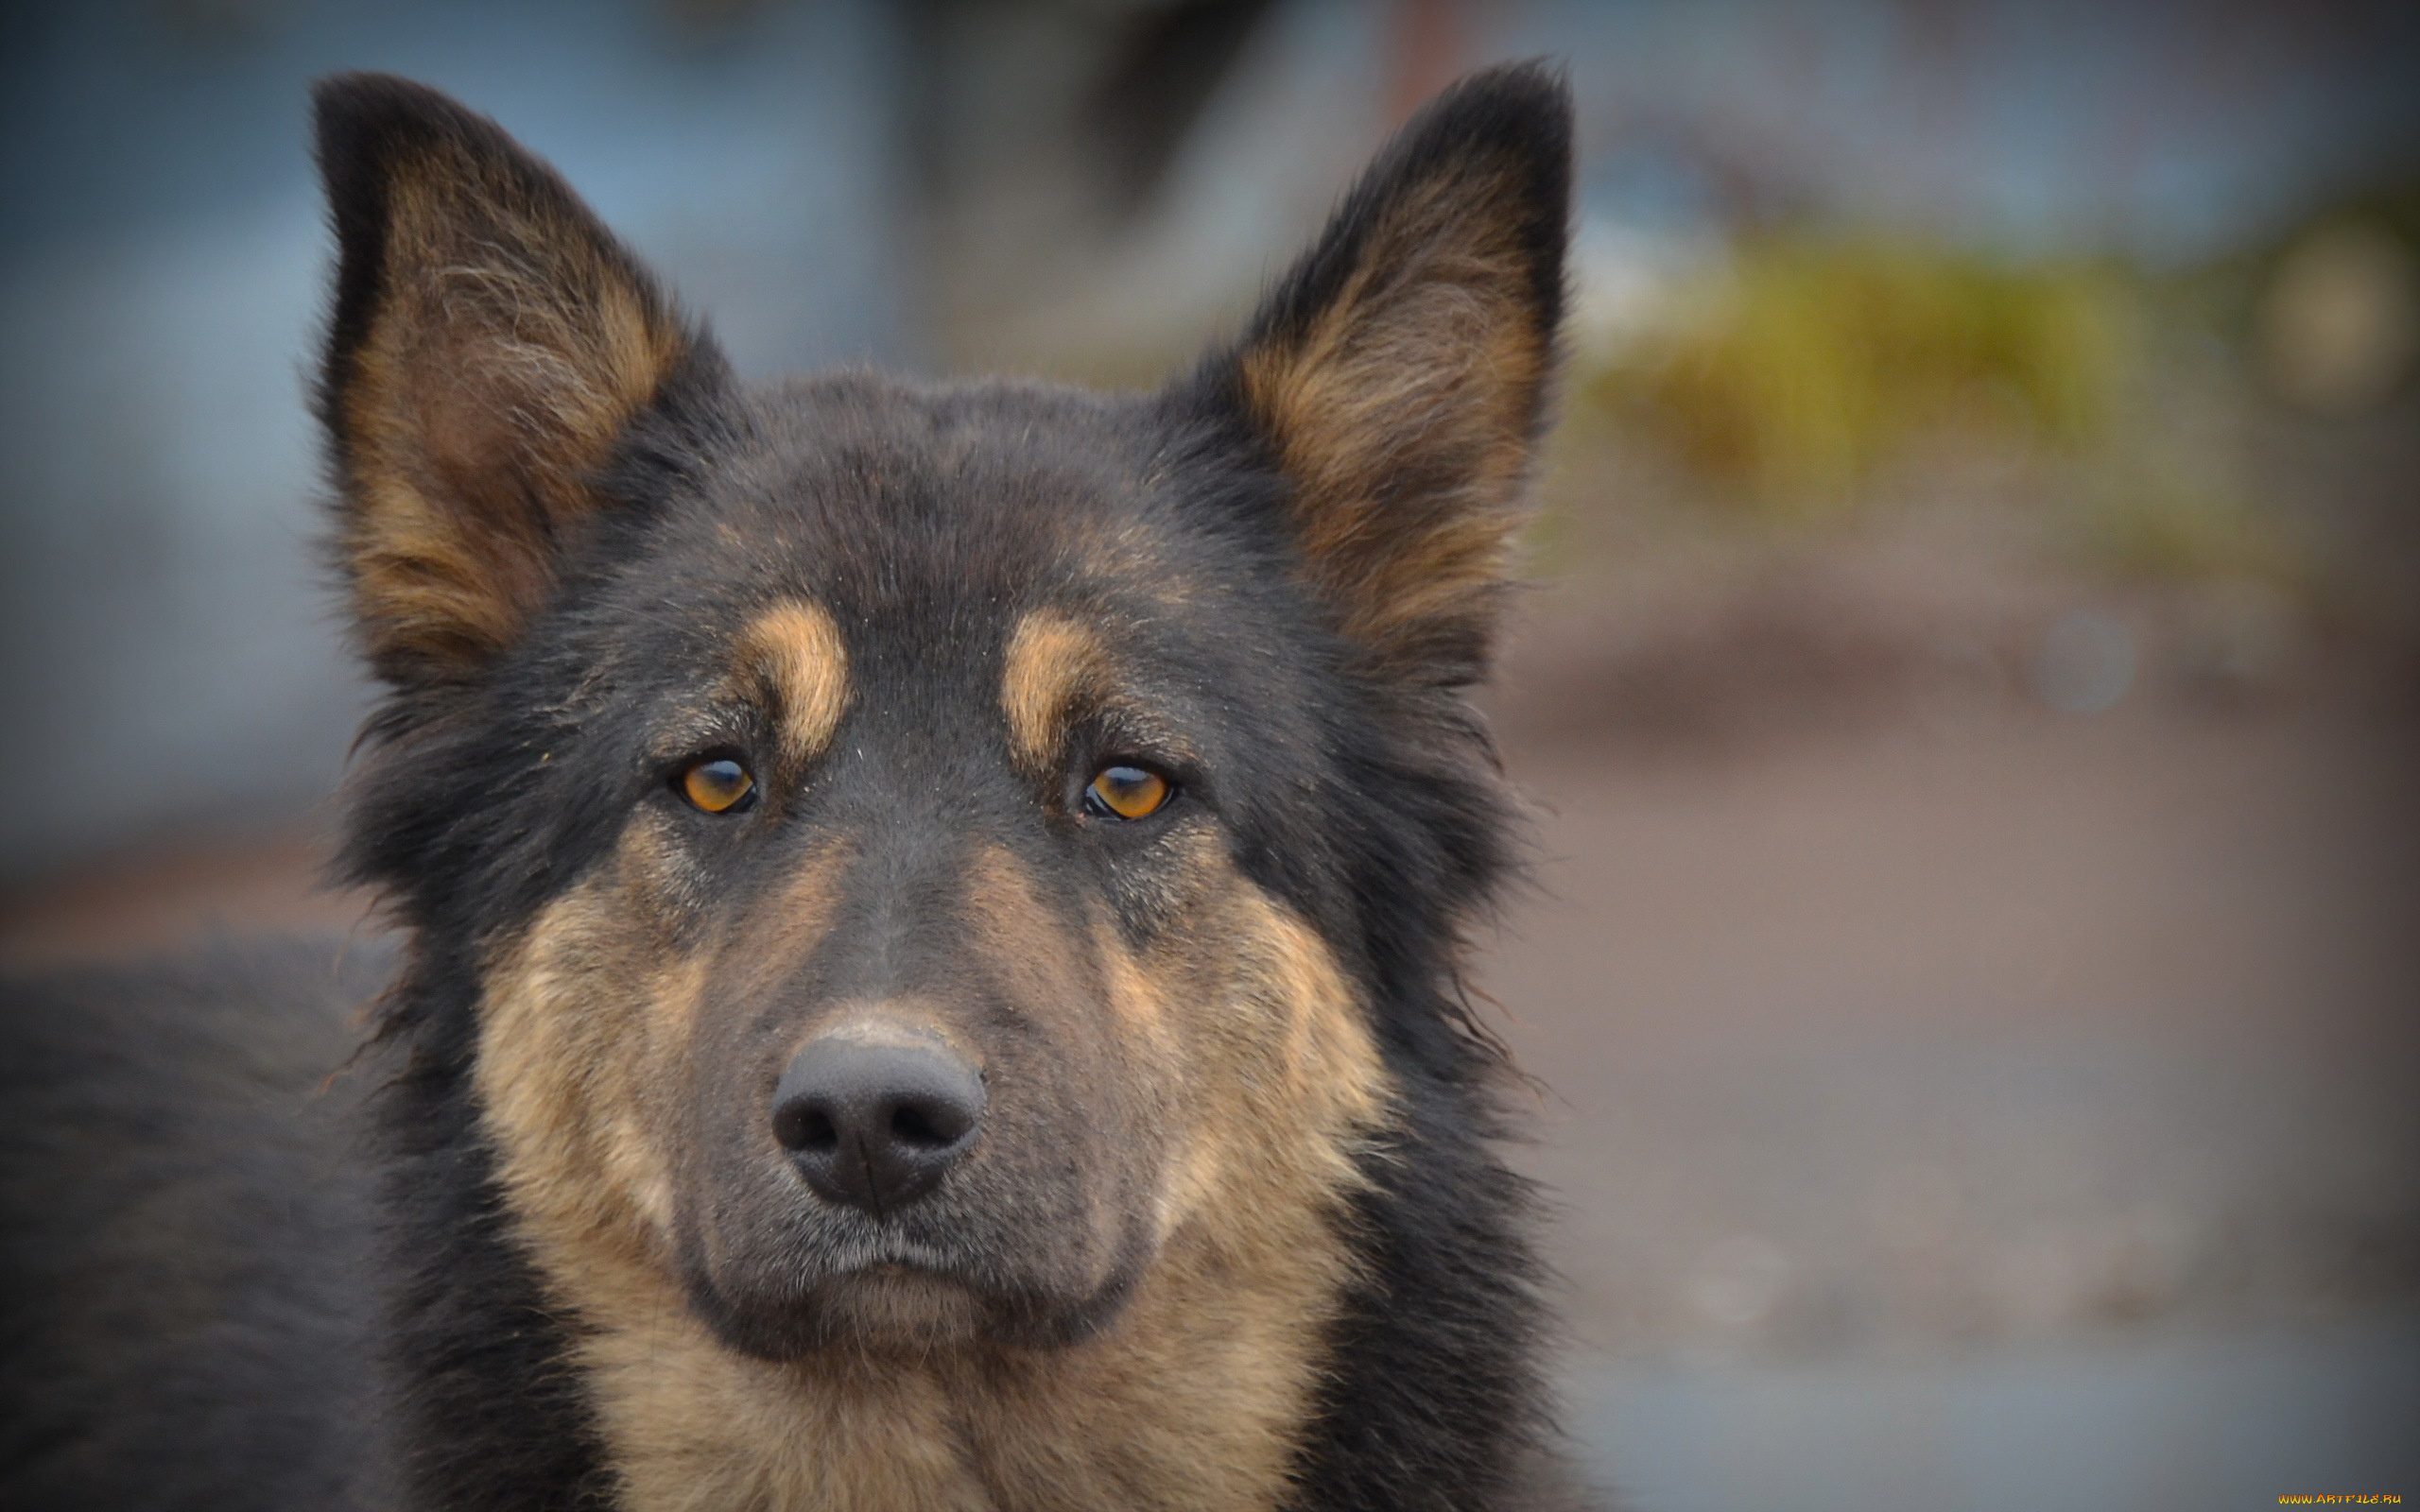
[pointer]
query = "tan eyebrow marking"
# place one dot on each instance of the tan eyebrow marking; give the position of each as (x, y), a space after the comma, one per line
(795, 649)
(1051, 661)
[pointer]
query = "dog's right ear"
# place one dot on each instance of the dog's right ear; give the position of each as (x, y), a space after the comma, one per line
(490, 341)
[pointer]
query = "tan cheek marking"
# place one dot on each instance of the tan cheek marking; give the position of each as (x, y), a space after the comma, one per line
(1269, 1036)
(802, 909)
(1280, 1087)
(1050, 659)
(584, 1017)
(1138, 998)
(796, 650)
(1332, 1060)
(1018, 933)
(585, 1034)
(1138, 992)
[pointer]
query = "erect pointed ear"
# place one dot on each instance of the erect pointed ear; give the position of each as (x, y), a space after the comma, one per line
(489, 341)
(1401, 370)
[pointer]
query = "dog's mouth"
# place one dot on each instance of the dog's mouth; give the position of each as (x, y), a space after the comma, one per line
(895, 1306)
(885, 1285)
(844, 1249)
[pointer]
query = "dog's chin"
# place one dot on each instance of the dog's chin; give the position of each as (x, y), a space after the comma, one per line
(892, 1307)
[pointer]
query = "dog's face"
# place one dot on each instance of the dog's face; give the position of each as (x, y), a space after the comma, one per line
(911, 982)
(932, 856)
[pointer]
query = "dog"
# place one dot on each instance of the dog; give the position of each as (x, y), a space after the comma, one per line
(931, 914)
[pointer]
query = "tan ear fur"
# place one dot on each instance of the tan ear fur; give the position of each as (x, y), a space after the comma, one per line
(489, 342)
(1402, 371)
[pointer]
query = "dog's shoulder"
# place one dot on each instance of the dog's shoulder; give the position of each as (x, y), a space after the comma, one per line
(185, 1242)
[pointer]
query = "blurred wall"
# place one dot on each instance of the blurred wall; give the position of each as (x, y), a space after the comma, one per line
(2170, 130)
(1080, 187)
(167, 652)
(2166, 133)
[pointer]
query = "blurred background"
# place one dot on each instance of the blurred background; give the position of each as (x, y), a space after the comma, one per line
(1970, 701)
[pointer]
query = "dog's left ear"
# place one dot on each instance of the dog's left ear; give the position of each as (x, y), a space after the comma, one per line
(1400, 372)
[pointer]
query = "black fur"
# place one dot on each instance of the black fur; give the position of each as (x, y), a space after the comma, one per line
(1367, 801)
(186, 1297)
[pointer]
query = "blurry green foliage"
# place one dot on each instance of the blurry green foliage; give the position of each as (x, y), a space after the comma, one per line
(1810, 377)
(1811, 363)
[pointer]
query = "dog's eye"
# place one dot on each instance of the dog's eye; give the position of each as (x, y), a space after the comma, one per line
(1125, 792)
(717, 787)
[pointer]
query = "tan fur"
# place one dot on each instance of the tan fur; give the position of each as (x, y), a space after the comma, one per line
(795, 652)
(1427, 368)
(510, 345)
(1051, 661)
(1187, 1401)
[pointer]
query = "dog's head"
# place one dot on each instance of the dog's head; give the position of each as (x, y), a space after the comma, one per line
(929, 854)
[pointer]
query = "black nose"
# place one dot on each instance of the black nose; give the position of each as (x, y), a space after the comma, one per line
(875, 1125)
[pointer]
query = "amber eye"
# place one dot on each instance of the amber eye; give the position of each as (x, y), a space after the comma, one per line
(1126, 793)
(717, 787)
